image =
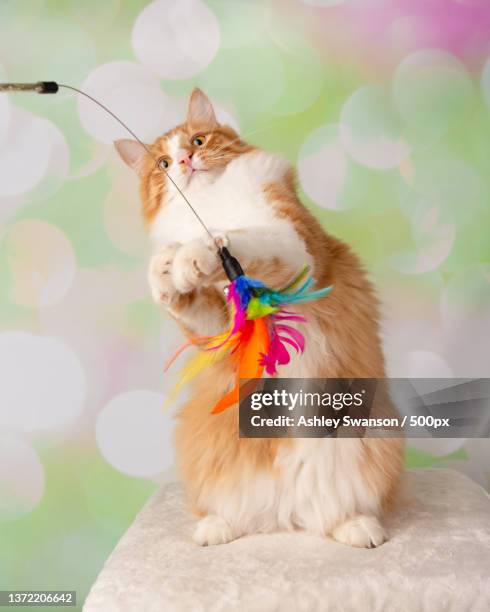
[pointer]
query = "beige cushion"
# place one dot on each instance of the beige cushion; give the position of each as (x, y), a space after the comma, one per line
(437, 559)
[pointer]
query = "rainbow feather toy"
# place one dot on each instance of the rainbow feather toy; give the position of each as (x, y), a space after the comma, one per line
(260, 335)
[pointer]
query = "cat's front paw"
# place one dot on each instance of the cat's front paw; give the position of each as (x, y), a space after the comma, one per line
(160, 280)
(194, 264)
(362, 531)
(212, 530)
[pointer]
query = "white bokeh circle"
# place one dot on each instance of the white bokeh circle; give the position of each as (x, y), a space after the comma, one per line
(115, 342)
(33, 154)
(133, 433)
(431, 90)
(371, 129)
(21, 477)
(176, 39)
(323, 167)
(441, 177)
(407, 337)
(131, 92)
(465, 311)
(58, 165)
(122, 220)
(42, 263)
(43, 384)
(433, 233)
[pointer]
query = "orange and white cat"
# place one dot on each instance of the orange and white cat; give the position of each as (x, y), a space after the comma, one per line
(238, 486)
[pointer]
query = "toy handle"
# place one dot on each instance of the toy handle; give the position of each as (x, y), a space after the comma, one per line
(230, 264)
(42, 87)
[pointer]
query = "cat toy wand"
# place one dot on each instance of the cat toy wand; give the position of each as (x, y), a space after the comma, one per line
(259, 335)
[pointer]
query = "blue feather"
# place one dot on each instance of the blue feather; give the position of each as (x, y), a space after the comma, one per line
(247, 288)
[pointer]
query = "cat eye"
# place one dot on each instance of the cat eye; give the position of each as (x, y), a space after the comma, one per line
(163, 163)
(198, 141)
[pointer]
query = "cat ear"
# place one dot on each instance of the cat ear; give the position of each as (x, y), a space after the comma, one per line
(201, 114)
(132, 153)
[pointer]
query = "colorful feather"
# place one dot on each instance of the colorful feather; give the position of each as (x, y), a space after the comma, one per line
(260, 335)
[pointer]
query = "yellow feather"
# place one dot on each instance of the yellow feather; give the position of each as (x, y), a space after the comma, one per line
(196, 364)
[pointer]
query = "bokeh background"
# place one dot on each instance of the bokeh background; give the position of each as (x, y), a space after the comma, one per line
(383, 105)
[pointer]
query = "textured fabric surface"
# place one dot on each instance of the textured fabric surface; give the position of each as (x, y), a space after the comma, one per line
(437, 559)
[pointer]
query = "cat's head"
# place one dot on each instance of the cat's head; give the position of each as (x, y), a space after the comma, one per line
(193, 152)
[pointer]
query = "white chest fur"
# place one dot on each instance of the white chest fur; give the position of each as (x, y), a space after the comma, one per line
(319, 484)
(234, 201)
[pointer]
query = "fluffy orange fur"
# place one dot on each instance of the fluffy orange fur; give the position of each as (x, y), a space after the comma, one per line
(211, 455)
(212, 458)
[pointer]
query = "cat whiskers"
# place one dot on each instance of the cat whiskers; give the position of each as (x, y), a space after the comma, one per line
(213, 156)
(217, 159)
(213, 153)
(245, 135)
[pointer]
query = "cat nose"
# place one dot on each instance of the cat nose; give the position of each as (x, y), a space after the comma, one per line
(186, 158)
